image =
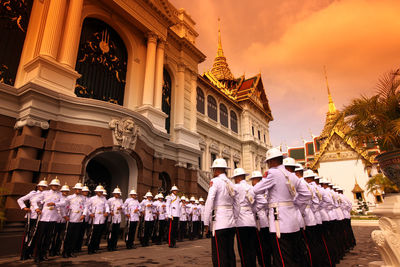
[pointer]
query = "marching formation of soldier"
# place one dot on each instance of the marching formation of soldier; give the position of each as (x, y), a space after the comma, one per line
(57, 222)
(287, 217)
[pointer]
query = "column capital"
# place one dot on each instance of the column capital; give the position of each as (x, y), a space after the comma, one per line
(151, 37)
(181, 67)
(31, 122)
(161, 43)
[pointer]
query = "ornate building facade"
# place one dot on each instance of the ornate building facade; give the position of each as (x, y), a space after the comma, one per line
(109, 92)
(337, 159)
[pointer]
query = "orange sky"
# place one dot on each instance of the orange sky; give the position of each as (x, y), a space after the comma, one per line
(290, 41)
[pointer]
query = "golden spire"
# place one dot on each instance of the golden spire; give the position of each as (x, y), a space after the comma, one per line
(220, 69)
(220, 52)
(332, 107)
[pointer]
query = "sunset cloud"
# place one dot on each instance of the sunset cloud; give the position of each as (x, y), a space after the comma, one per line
(291, 41)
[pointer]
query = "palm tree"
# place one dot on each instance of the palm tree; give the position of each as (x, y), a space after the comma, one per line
(376, 118)
(381, 182)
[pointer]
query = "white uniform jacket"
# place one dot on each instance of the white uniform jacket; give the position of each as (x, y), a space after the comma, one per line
(49, 213)
(132, 207)
(246, 200)
(276, 186)
(260, 208)
(184, 214)
(173, 206)
(75, 205)
(222, 199)
(147, 208)
(162, 211)
(28, 197)
(308, 214)
(315, 202)
(116, 207)
(98, 206)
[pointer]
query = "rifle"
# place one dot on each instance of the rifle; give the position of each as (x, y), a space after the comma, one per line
(34, 232)
(109, 229)
(127, 232)
(90, 234)
(65, 235)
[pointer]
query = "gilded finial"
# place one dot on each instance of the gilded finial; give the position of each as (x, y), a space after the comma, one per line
(332, 107)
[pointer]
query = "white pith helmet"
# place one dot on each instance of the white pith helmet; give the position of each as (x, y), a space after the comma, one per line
(85, 188)
(104, 192)
(289, 162)
(78, 186)
(330, 183)
(148, 194)
(156, 197)
(201, 199)
(55, 181)
(99, 188)
(117, 191)
(183, 198)
(43, 183)
(308, 174)
(174, 188)
(256, 174)
(132, 192)
(273, 153)
(65, 188)
(316, 177)
(192, 199)
(197, 202)
(340, 189)
(219, 163)
(335, 187)
(160, 195)
(238, 172)
(299, 167)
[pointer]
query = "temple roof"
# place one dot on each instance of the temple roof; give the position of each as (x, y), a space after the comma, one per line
(357, 188)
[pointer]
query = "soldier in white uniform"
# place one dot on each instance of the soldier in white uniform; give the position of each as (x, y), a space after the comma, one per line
(156, 224)
(162, 219)
(305, 215)
(31, 216)
(201, 211)
(132, 211)
(220, 213)
(173, 213)
(281, 187)
(196, 219)
(246, 233)
(85, 223)
(59, 229)
(148, 213)
(98, 210)
(264, 250)
(116, 209)
(75, 205)
(319, 254)
(190, 209)
(45, 206)
(183, 219)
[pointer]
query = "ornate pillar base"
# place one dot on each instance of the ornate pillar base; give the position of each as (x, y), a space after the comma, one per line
(388, 237)
(48, 73)
(156, 116)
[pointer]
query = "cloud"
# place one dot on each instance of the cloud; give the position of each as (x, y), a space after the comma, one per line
(290, 42)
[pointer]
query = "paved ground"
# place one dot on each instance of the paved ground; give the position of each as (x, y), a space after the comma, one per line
(189, 253)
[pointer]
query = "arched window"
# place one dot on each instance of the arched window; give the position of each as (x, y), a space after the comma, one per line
(166, 98)
(234, 122)
(102, 59)
(14, 19)
(212, 108)
(200, 100)
(223, 115)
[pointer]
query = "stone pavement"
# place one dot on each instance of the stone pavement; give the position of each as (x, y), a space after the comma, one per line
(365, 251)
(189, 253)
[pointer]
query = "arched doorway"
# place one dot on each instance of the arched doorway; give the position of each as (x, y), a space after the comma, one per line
(165, 183)
(111, 169)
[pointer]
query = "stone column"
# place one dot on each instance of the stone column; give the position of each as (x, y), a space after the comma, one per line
(180, 97)
(158, 83)
(148, 88)
(193, 102)
(53, 28)
(72, 32)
